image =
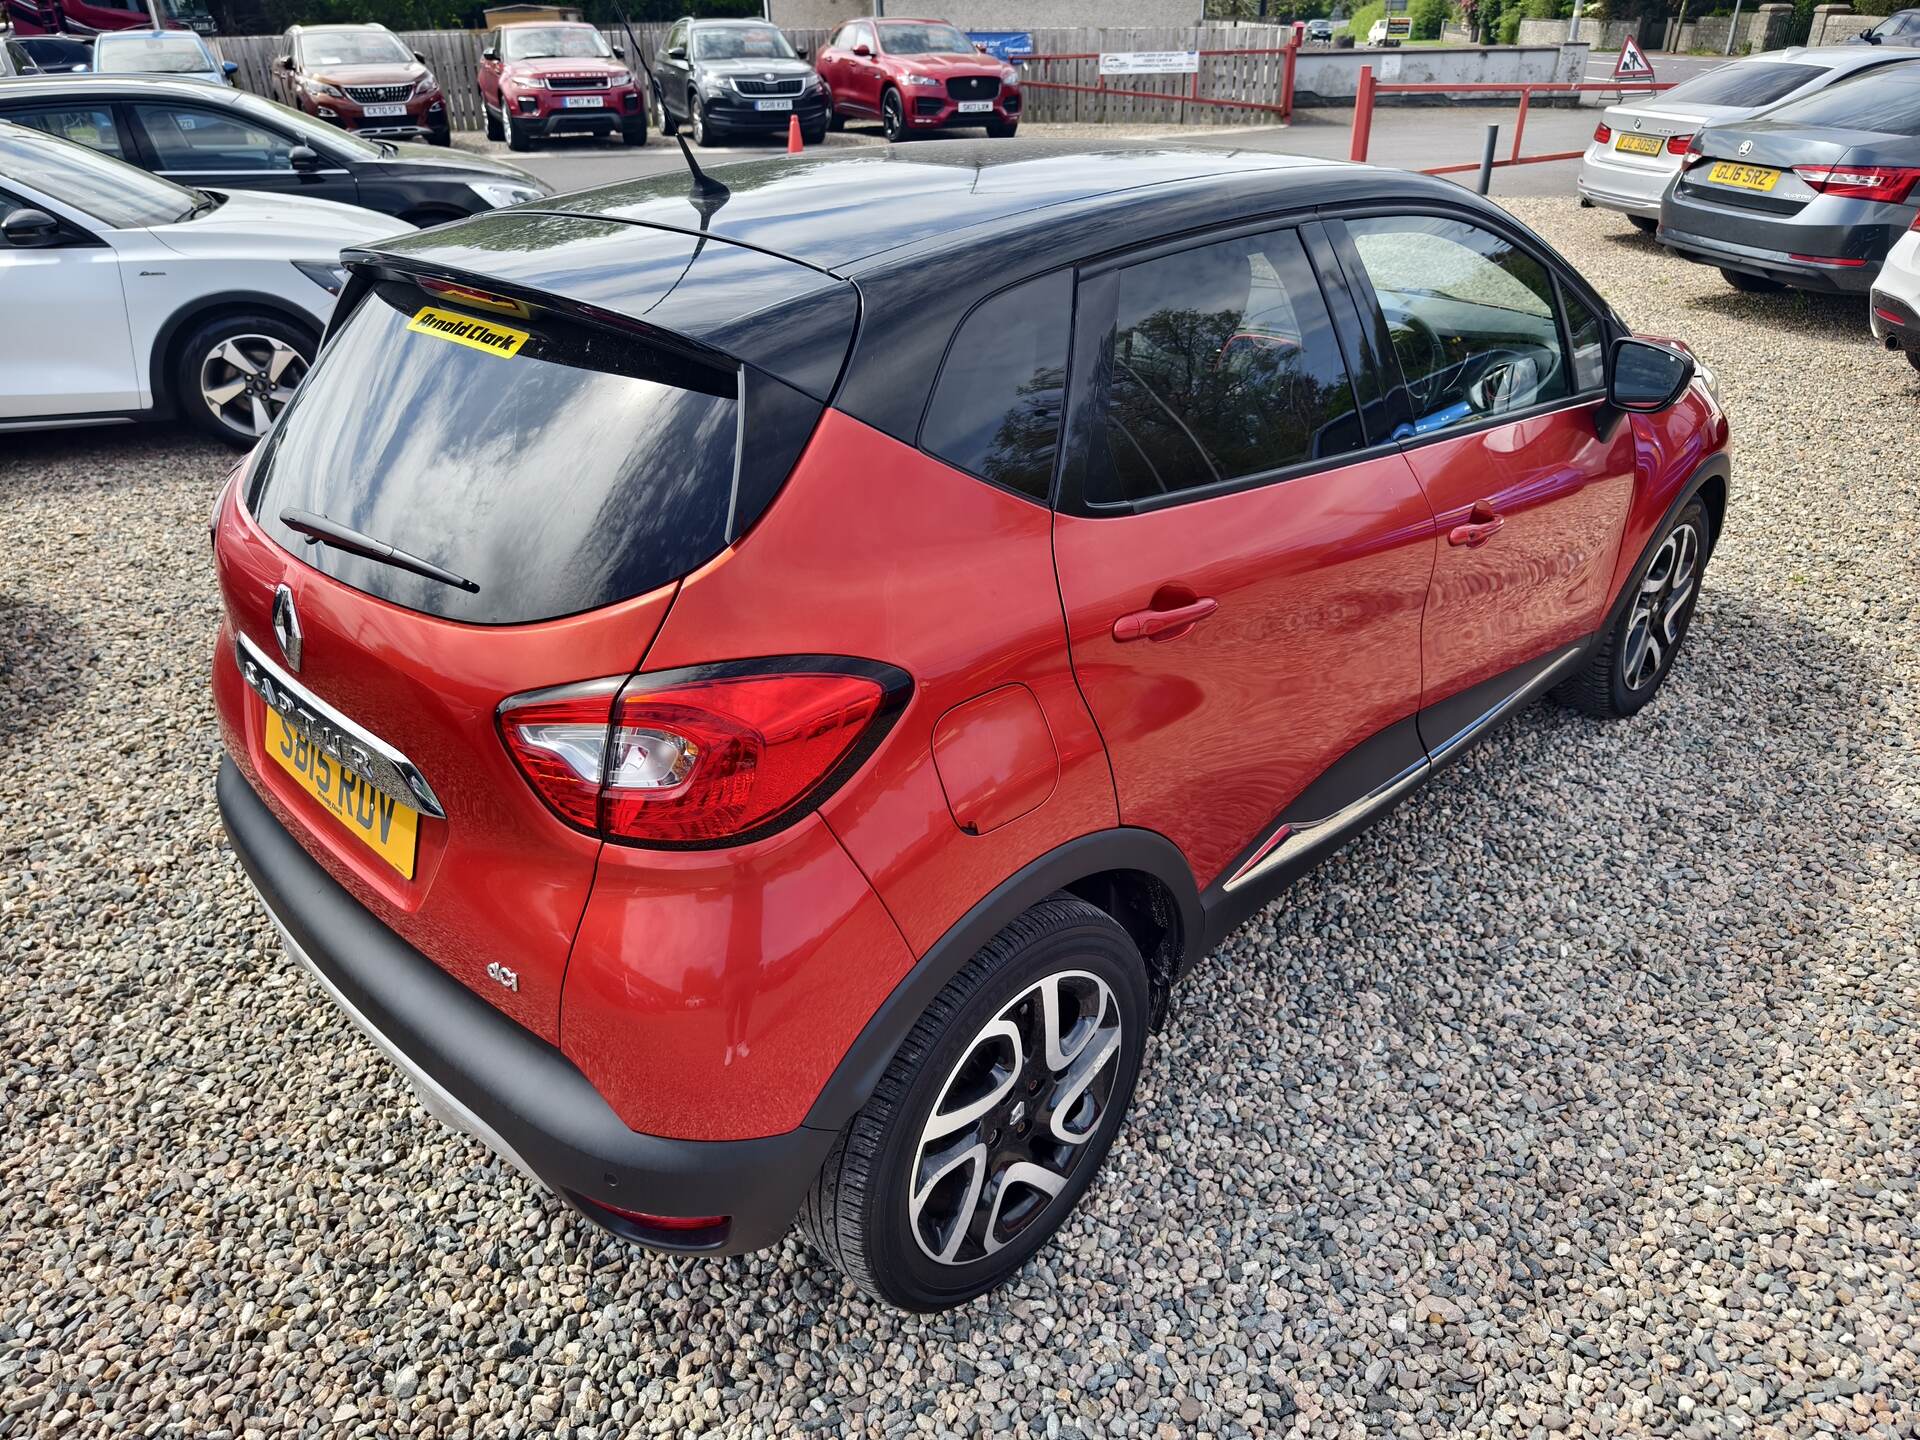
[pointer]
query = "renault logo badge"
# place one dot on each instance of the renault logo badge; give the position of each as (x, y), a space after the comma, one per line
(286, 626)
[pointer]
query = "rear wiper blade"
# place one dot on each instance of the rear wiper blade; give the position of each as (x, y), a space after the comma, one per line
(319, 530)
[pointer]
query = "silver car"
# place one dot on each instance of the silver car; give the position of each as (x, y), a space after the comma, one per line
(1636, 148)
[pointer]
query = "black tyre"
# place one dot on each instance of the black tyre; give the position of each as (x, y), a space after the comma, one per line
(663, 120)
(1629, 665)
(993, 1117)
(705, 133)
(893, 117)
(494, 132)
(835, 120)
(1913, 358)
(440, 137)
(1646, 224)
(1000, 129)
(233, 375)
(816, 136)
(1751, 284)
(517, 136)
(633, 131)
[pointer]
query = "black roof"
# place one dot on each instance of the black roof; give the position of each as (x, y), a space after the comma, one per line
(899, 243)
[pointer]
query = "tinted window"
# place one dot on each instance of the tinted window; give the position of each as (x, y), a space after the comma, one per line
(1744, 83)
(185, 137)
(109, 190)
(583, 469)
(1471, 318)
(1887, 101)
(1224, 365)
(1589, 338)
(88, 125)
(996, 407)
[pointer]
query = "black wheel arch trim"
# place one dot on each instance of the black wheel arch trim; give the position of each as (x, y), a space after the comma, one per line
(206, 307)
(1123, 848)
(1716, 466)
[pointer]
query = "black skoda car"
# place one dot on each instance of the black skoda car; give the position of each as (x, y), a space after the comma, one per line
(725, 77)
(198, 134)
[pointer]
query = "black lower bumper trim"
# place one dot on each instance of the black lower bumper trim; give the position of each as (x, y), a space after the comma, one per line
(482, 1073)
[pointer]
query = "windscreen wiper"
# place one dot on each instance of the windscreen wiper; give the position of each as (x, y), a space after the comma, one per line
(319, 530)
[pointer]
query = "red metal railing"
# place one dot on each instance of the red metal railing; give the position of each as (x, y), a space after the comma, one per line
(1369, 88)
(1283, 107)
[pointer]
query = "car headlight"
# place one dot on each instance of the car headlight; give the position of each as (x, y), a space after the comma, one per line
(321, 87)
(330, 277)
(426, 84)
(920, 80)
(623, 78)
(1010, 76)
(498, 193)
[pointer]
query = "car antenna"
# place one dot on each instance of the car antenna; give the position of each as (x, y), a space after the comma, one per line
(708, 194)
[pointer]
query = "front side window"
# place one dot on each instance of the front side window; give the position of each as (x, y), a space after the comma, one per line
(111, 191)
(741, 42)
(1589, 339)
(1471, 316)
(307, 129)
(185, 137)
(90, 125)
(1224, 366)
(995, 411)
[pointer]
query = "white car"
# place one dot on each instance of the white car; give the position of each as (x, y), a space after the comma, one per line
(128, 297)
(179, 53)
(1894, 306)
(1637, 146)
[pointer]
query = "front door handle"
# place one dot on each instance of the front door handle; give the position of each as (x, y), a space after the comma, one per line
(1482, 525)
(1163, 624)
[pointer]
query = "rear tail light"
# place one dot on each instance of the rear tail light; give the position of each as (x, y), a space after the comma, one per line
(1889, 183)
(714, 755)
(1679, 144)
(1844, 262)
(1602, 133)
(1694, 154)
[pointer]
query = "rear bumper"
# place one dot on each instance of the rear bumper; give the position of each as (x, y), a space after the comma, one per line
(1630, 189)
(484, 1075)
(1895, 323)
(1768, 264)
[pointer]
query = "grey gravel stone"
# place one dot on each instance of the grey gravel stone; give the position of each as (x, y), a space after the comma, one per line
(1580, 1098)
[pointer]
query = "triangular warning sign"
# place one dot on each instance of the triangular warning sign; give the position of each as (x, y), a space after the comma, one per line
(1632, 65)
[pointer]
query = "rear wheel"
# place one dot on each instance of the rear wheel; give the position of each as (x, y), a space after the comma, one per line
(1627, 668)
(1751, 284)
(893, 117)
(1644, 223)
(1913, 358)
(662, 120)
(234, 375)
(993, 1117)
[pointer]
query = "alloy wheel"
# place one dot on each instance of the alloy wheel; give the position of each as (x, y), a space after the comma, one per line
(698, 115)
(247, 380)
(1660, 609)
(1012, 1122)
(893, 120)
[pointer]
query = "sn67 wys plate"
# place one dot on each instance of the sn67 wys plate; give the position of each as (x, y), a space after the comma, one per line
(380, 822)
(1746, 177)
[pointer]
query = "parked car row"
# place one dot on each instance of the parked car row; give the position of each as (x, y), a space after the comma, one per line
(1796, 169)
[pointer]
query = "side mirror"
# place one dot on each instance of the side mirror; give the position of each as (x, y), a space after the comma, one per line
(801, 51)
(619, 52)
(283, 62)
(418, 56)
(490, 54)
(229, 67)
(678, 52)
(865, 52)
(1644, 376)
(29, 229)
(304, 157)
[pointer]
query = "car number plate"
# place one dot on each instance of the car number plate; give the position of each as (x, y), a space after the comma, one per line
(1639, 144)
(1746, 177)
(585, 102)
(387, 827)
(773, 104)
(974, 107)
(382, 112)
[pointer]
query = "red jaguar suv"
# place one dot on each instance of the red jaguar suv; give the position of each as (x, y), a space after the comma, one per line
(914, 76)
(754, 692)
(541, 78)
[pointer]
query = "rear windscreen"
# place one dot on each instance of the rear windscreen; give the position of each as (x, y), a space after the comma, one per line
(1886, 101)
(1743, 83)
(557, 466)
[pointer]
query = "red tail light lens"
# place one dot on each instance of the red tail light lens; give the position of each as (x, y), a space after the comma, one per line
(1889, 183)
(1602, 133)
(715, 755)
(1679, 144)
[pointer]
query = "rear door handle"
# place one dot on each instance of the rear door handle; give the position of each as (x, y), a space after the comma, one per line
(1163, 624)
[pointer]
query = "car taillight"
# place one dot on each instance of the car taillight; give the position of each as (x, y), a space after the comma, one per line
(1694, 156)
(1889, 183)
(1679, 144)
(714, 755)
(1602, 133)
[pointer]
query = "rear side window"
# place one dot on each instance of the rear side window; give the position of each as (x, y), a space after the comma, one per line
(1224, 366)
(1886, 101)
(559, 466)
(1744, 83)
(995, 411)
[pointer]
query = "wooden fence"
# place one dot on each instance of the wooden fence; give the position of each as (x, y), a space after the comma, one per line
(454, 56)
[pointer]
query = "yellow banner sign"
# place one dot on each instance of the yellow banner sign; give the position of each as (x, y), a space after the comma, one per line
(501, 340)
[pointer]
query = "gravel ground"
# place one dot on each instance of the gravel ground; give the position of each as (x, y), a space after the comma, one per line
(1581, 1098)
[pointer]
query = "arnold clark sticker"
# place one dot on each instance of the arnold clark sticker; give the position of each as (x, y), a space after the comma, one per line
(484, 335)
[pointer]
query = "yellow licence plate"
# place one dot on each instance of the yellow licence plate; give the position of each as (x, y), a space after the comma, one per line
(1639, 144)
(1747, 177)
(391, 830)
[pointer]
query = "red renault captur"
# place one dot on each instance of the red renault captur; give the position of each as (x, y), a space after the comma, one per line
(753, 691)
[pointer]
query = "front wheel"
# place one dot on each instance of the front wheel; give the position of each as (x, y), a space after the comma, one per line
(704, 132)
(517, 136)
(1629, 665)
(234, 375)
(1751, 284)
(893, 117)
(634, 131)
(999, 129)
(994, 1115)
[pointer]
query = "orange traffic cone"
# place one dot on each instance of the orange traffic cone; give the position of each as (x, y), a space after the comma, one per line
(794, 144)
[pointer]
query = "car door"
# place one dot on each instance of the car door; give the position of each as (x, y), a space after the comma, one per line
(1500, 387)
(488, 75)
(72, 352)
(828, 60)
(862, 71)
(674, 72)
(1242, 562)
(216, 147)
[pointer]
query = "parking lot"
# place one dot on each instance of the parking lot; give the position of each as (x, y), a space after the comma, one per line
(1579, 1098)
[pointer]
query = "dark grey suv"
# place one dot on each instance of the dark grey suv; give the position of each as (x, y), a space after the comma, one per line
(1812, 196)
(727, 77)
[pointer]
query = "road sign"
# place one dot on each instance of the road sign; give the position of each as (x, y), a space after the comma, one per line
(1632, 65)
(1399, 27)
(1150, 62)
